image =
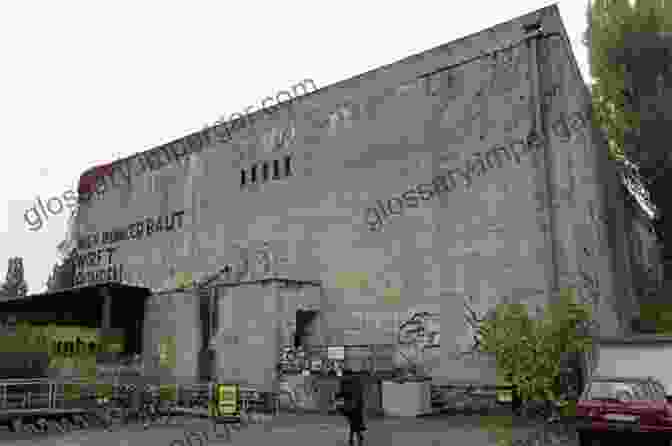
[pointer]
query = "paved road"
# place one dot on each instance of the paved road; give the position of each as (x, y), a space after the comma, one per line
(292, 430)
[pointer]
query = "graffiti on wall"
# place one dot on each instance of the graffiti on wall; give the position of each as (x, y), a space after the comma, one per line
(421, 329)
(418, 339)
(472, 320)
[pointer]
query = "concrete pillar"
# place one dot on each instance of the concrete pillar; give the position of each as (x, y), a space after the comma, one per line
(207, 307)
(278, 320)
(324, 332)
(213, 321)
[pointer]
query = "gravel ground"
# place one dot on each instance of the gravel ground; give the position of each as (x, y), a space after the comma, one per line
(302, 429)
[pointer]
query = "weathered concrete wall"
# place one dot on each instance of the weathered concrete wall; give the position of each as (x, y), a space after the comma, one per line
(381, 165)
(585, 188)
(172, 319)
(247, 343)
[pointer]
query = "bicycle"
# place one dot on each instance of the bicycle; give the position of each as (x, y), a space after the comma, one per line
(149, 414)
(202, 436)
(103, 412)
(117, 411)
(168, 412)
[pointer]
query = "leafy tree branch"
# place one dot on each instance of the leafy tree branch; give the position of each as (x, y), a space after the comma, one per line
(529, 351)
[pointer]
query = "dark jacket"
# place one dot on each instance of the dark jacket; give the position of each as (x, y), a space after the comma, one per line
(352, 392)
(136, 400)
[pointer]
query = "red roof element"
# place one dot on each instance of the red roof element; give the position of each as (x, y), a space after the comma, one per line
(104, 170)
(87, 183)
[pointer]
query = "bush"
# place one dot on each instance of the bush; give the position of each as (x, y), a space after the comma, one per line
(529, 351)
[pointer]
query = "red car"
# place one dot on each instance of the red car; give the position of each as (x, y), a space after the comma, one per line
(612, 409)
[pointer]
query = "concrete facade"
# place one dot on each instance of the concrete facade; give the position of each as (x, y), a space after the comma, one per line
(646, 249)
(360, 193)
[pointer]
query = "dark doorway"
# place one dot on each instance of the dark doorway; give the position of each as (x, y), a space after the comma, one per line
(304, 322)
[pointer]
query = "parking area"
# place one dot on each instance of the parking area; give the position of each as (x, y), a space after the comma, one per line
(306, 429)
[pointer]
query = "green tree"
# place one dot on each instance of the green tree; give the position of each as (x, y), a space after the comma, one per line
(617, 31)
(62, 275)
(529, 350)
(14, 285)
(629, 52)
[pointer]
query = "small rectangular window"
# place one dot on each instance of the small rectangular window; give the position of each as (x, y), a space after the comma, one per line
(276, 169)
(243, 177)
(264, 171)
(253, 174)
(288, 166)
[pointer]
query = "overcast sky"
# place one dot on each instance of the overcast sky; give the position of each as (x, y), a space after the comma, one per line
(84, 83)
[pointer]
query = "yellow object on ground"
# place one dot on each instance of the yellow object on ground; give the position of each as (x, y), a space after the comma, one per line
(228, 398)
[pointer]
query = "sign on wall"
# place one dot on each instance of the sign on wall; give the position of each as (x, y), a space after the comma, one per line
(167, 353)
(93, 256)
(228, 397)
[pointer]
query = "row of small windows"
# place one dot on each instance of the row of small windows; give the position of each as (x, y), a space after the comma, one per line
(264, 171)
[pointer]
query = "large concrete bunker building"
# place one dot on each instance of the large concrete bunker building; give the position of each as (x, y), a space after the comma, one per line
(418, 186)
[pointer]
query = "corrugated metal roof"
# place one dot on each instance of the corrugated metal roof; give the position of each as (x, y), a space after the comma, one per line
(76, 289)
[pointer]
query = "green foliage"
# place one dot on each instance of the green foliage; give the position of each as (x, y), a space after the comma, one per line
(612, 24)
(658, 315)
(529, 351)
(168, 392)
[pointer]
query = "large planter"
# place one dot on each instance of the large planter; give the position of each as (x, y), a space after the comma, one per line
(406, 399)
(328, 386)
(304, 390)
(374, 403)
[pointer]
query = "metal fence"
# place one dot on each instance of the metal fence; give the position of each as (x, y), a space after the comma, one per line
(59, 394)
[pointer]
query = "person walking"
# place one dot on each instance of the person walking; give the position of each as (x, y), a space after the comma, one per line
(352, 392)
(150, 406)
(135, 404)
(516, 401)
(104, 412)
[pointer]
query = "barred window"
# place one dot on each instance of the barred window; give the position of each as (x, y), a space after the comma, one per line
(264, 171)
(261, 171)
(288, 166)
(276, 169)
(253, 174)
